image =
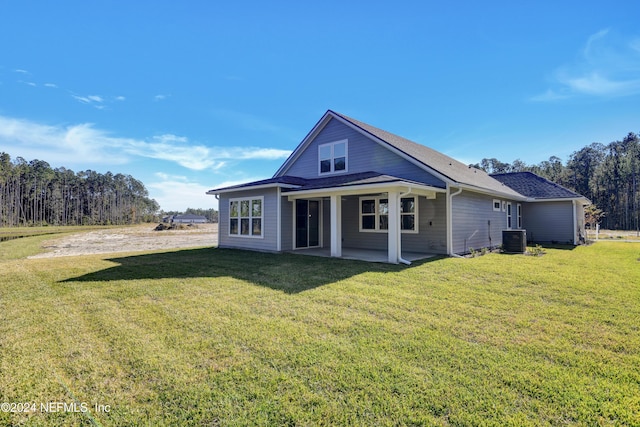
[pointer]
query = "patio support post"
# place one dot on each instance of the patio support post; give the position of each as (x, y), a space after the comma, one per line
(336, 225)
(394, 227)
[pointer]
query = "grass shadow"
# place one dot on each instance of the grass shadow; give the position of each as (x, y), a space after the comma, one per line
(289, 273)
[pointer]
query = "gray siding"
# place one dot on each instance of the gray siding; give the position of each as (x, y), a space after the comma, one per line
(549, 221)
(431, 238)
(364, 155)
(475, 224)
(269, 218)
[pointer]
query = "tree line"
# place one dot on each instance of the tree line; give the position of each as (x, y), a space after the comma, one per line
(34, 193)
(608, 175)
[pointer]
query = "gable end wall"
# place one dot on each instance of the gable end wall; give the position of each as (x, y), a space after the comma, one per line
(364, 155)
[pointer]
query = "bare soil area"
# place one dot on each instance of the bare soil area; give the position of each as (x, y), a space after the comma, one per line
(130, 239)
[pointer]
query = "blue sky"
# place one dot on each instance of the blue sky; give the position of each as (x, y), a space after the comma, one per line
(191, 95)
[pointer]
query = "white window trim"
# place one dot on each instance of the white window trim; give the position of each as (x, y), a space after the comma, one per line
(346, 157)
(251, 218)
(509, 210)
(377, 215)
(519, 215)
(496, 202)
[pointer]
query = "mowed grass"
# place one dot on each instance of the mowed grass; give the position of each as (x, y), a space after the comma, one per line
(210, 337)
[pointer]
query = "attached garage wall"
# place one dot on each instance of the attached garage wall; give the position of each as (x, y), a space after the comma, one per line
(549, 222)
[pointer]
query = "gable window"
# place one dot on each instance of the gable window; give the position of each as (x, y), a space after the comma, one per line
(374, 214)
(332, 157)
(245, 217)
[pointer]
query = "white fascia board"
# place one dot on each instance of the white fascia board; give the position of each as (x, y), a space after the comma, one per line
(583, 200)
(474, 189)
(255, 187)
(363, 189)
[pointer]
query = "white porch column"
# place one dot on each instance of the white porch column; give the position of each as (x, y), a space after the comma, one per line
(336, 225)
(394, 228)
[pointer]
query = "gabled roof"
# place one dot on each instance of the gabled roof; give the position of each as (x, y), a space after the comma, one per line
(444, 167)
(536, 187)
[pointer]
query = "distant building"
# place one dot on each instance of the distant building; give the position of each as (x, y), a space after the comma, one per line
(188, 219)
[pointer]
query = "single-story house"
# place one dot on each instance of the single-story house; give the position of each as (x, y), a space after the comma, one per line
(351, 186)
(188, 219)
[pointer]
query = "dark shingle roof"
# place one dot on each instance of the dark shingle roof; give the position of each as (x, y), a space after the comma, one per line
(448, 166)
(362, 178)
(284, 180)
(531, 185)
(300, 184)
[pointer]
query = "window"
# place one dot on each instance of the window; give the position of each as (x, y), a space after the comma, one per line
(333, 157)
(496, 205)
(374, 214)
(408, 214)
(245, 217)
(519, 214)
(509, 223)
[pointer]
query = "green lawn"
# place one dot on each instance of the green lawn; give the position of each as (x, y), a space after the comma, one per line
(210, 337)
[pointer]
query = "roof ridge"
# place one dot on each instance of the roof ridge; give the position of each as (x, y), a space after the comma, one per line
(436, 161)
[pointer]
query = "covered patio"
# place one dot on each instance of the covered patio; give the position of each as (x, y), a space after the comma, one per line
(360, 216)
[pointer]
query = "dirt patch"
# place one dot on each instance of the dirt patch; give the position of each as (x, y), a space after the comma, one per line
(130, 239)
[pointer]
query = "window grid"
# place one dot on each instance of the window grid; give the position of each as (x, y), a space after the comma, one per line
(245, 217)
(374, 214)
(333, 157)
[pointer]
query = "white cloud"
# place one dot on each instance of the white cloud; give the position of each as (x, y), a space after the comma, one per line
(177, 193)
(160, 97)
(175, 149)
(59, 144)
(51, 85)
(252, 153)
(120, 98)
(608, 66)
(90, 99)
(84, 143)
(598, 85)
(549, 95)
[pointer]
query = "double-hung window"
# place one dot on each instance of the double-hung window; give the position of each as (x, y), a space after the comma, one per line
(374, 214)
(332, 157)
(245, 217)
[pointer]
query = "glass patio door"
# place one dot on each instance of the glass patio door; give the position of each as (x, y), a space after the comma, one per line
(307, 223)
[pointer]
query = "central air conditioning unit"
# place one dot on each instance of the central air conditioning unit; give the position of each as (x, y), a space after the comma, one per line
(514, 241)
